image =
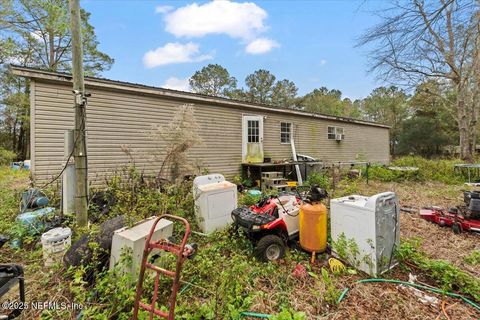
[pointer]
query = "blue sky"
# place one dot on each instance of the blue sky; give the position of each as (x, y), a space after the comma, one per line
(162, 43)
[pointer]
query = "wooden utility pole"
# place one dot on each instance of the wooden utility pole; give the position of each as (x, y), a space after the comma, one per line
(80, 101)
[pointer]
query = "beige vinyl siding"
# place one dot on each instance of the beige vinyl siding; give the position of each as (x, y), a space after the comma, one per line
(117, 117)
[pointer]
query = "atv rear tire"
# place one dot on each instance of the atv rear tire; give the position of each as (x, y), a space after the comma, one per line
(270, 248)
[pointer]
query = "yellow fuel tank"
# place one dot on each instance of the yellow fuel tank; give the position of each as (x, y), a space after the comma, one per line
(313, 227)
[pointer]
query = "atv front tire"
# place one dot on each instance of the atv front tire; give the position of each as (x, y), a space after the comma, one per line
(270, 248)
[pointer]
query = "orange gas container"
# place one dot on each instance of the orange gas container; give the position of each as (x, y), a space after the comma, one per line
(313, 227)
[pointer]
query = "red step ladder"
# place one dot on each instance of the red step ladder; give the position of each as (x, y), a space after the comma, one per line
(165, 245)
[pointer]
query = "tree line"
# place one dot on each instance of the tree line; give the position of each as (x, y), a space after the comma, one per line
(427, 51)
(35, 33)
(420, 122)
(430, 47)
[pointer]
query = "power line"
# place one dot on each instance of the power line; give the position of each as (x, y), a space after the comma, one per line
(67, 161)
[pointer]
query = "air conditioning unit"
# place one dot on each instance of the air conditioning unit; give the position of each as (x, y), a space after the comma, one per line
(339, 137)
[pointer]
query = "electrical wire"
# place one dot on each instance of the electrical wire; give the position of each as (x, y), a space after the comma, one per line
(31, 196)
(69, 156)
(285, 210)
(82, 129)
(444, 310)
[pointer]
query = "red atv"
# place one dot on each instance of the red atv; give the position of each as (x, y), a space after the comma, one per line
(270, 224)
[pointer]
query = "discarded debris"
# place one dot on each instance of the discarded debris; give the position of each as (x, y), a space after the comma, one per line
(100, 205)
(408, 209)
(461, 218)
(81, 254)
(299, 271)
(55, 243)
(421, 295)
(336, 266)
(181, 251)
(366, 222)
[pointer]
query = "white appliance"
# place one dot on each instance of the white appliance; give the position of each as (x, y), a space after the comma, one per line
(132, 241)
(366, 230)
(215, 200)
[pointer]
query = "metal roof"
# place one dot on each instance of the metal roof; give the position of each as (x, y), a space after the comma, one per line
(35, 73)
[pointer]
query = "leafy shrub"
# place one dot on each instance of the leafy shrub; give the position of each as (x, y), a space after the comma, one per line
(113, 295)
(316, 178)
(346, 187)
(6, 156)
(332, 292)
(138, 197)
(442, 170)
(287, 314)
(247, 199)
(473, 258)
(384, 174)
(448, 277)
(428, 170)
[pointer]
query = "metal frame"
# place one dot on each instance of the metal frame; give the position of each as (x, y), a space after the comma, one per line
(165, 245)
(14, 273)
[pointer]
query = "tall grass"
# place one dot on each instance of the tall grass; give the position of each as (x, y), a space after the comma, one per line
(442, 170)
(12, 183)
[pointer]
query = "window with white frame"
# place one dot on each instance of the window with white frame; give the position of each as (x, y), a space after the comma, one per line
(334, 131)
(253, 127)
(285, 132)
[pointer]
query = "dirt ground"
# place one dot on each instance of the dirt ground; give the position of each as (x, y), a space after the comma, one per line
(387, 300)
(363, 301)
(377, 301)
(390, 301)
(438, 242)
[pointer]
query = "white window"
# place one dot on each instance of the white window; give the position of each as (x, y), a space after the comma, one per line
(253, 131)
(333, 132)
(285, 132)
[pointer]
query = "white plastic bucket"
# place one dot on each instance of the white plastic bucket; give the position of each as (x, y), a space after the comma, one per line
(55, 243)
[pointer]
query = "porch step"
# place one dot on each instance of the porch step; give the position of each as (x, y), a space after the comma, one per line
(281, 187)
(272, 174)
(274, 181)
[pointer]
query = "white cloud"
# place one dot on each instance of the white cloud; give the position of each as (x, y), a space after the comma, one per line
(323, 62)
(176, 84)
(261, 45)
(237, 20)
(163, 9)
(174, 52)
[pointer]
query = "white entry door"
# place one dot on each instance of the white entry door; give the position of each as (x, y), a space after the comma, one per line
(252, 139)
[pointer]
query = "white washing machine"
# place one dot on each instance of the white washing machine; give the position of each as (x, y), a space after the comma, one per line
(215, 200)
(367, 230)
